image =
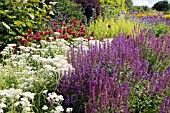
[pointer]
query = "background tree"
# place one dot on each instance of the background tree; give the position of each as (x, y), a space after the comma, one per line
(129, 4)
(161, 6)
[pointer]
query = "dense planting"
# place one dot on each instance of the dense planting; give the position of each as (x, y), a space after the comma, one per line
(57, 56)
(117, 76)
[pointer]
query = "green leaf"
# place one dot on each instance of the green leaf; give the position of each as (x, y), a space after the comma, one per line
(34, 0)
(29, 24)
(17, 22)
(2, 12)
(12, 17)
(4, 24)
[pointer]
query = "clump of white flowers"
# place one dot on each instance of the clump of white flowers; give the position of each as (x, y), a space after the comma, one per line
(14, 98)
(54, 101)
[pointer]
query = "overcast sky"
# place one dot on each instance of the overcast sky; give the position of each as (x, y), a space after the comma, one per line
(149, 3)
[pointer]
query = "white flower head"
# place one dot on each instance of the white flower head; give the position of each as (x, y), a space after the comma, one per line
(59, 108)
(2, 105)
(68, 110)
(45, 91)
(44, 107)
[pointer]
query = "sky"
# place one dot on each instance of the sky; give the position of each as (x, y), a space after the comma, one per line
(148, 3)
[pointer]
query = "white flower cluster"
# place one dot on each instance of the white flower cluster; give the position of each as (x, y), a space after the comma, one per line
(54, 101)
(15, 97)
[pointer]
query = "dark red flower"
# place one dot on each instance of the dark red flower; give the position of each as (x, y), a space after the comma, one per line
(20, 39)
(48, 39)
(109, 26)
(60, 31)
(81, 23)
(23, 41)
(66, 37)
(46, 29)
(14, 47)
(92, 33)
(42, 33)
(82, 33)
(47, 33)
(31, 34)
(62, 23)
(54, 39)
(86, 37)
(128, 36)
(64, 30)
(55, 23)
(25, 35)
(54, 29)
(29, 39)
(30, 31)
(61, 36)
(73, 33)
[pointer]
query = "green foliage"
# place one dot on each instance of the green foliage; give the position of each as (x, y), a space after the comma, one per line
(161, 29)
(140, 101)
(110, 27)
(17, 18)
(114, 7)
(129, 4)
(66, 10)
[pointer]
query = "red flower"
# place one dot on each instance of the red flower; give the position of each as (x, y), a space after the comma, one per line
(84, 30)
(46, 29)
(37, 33)
(25, 35)
(29, 39)
(20, 39)
(109, 26)
(81, 23)
(66, 37)
(62, 23)
(55, 23)
(54, 38)
(42, 33)
(60, 31)
(48, 39)
(128, 36)
(30, 31)
(47, 33)
(74, 23)
(61, 36)
(64, 30)
(23, 41)
(92, 33)
(14, 47)
(37, 38)
(31, 34)
(73, 33)
(82, 33)
(86, 37)
(54, 29)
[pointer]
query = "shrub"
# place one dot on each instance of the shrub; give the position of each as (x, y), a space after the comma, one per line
(113, 8)
(66, 10)
(18, 17)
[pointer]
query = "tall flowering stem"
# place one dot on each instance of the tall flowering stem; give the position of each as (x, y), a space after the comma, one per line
(116, 77)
